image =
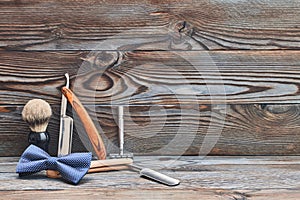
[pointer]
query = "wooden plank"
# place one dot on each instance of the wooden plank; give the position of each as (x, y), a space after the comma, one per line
(25, 76)
(191, 130)
(208, 177)
(211, 25)
(163, 194)
(151, 78)
(168, 78)
(251, 129)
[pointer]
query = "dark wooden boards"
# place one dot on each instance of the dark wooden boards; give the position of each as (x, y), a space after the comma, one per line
(201, 178)
(169, 61)
(152, 78)
(35, 75)
(212, 25)
(250, 129)
(229, 130)
(256, 117)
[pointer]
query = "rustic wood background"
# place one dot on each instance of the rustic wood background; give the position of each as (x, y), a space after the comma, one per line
(254, 45)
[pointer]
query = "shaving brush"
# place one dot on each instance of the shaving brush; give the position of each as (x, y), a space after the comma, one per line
(36, 113)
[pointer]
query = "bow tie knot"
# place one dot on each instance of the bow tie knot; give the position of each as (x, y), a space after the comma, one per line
(71, 167)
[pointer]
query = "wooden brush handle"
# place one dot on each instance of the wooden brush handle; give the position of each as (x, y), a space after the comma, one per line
(87, 122)
(56, 174)
(109, 165)
(100, 166)
(52, 174)
(107, 169)
(110, 162)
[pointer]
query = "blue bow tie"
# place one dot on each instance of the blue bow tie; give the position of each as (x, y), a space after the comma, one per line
(71, 167)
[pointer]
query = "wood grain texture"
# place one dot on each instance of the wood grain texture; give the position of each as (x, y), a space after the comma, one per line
(35, 75)
(212, 25)
(163, 194)
(181, 77)
(232, 130)
(252, 129)
(206, 178)
(151, 78)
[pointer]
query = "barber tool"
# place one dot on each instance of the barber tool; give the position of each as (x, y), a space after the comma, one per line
(66, 126)
(109, 165)
(156, 176)
(72, 167)
(143, 171)
(98, 145)
(65, 137)
(149, 173)
(65, 131)
(36, 113)
(121, 136)
(89, 126)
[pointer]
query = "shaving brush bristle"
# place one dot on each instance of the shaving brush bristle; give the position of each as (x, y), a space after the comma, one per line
(36, 113)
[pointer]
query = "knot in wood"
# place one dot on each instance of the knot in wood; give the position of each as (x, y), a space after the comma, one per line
(57, 33)
(184, 27)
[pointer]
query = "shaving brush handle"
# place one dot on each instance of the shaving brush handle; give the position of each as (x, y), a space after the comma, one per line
(40, 139)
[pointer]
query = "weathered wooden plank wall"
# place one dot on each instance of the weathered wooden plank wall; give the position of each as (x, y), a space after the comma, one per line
(166, 60)
(216, 24)
(139, 77)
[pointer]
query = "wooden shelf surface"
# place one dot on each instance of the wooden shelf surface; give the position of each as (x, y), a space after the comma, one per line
(230, 177)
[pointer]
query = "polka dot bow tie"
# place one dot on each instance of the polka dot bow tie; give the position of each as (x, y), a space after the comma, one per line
(71, 167)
